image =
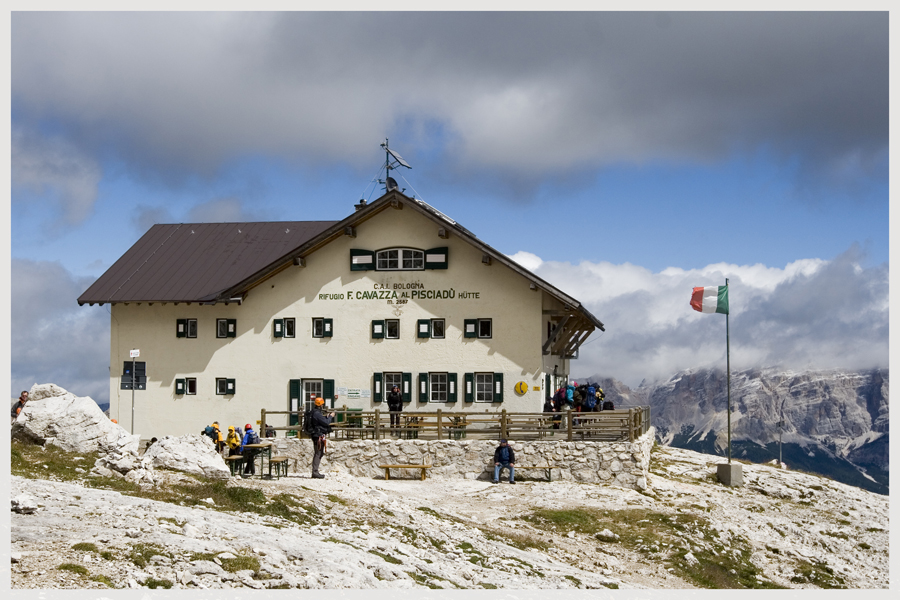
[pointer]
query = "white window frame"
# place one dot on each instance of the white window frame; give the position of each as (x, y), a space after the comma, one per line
(434, 391)
(490, 323)
(187, 386)
(389, 381)
(416, 256)
(484, 387)
(293, 327)
(321, 322)
(443, 329)
(387, 329)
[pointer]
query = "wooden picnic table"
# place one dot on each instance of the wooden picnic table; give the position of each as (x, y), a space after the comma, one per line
(267, 446)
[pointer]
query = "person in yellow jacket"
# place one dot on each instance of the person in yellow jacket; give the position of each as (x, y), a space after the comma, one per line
(233, 441)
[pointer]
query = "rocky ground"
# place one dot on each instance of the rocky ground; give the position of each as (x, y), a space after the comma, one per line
(781, 529)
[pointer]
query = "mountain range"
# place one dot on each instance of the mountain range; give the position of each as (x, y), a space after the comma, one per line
(835, 421)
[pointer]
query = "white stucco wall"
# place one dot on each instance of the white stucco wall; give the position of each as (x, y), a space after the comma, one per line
(262, 365)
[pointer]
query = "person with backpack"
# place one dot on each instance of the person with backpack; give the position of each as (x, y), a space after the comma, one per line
(504, 458)
(233, 441)
(319, 425)
(250, 437)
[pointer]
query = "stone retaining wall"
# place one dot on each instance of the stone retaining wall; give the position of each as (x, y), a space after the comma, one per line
(623, 464)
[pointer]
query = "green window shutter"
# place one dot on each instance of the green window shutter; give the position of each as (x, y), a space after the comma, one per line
(436, 258)
(179, 386)
(377, 329)
(469, 392)
(329, 326)
(362, 260)
(423, 387)
(294, 401)
(232, 328)
(328, 391)
(470, 328)
(451, 387)
(406, 390)
(180, 327)
(377, 389)
(278, 328)
(498, 387)
(547, 386)
(230, 387)
(423, 328)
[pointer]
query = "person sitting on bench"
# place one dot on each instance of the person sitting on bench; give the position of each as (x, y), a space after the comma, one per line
(504, 458)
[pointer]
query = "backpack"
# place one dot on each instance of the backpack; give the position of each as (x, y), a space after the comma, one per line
(608, 405)
(590, 399)
(307, 422)
(254, 438)
(210, 432)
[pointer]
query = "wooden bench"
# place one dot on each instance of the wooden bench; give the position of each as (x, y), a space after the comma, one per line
(237, 459)
(281, 466)
(387, 469)
(548, 468)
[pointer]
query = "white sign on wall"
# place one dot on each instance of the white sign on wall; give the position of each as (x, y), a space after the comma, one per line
(135, 353)
(354, 393)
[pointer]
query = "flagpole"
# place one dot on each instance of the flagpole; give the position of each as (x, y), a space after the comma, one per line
(728, 366)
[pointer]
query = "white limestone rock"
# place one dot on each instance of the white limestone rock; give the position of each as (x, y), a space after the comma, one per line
(188, 453)
(24, 504)
(75, 424)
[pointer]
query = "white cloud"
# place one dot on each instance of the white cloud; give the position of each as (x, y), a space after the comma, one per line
(52, 165)
(810, 313)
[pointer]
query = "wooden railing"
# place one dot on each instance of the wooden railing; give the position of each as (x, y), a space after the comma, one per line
(624, 424)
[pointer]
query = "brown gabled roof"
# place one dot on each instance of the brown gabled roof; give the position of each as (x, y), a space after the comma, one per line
(195, 262)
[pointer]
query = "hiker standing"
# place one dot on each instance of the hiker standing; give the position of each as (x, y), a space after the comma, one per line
(319, 427)
(233, 440)
(250, 437)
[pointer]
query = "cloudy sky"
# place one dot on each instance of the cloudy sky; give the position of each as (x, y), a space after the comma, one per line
(625, 157)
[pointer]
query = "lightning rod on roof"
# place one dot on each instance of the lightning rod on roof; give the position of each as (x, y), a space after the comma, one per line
(392, 160)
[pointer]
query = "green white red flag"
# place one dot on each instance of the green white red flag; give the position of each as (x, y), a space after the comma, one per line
(710, 299)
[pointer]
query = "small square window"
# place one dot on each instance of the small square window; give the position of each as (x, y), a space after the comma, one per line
(221, 328)
(438, 387)
(191, 328)
(318, 329)
(221, 386)
(289, 328)
(484, 328)
(437, 328)
(190, 385)
(392, 328)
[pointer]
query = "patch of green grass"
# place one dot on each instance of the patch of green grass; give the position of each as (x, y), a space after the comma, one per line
(241, 563)
(874, 529)
(157, 583)
(574, 580)
(864, 546)
(410, 533)
(85, 547)
(818, 574)
(103, 579)
(28, 460)
(140, 553)
(107, 555)
(73, 568)
(387, 512)
(818, 488)
(336, 499)
(837, 534)
(466, 546)
(612, 586)
(202, 556)
(387, 557)
(845, 513)
(844, 522)
(431, 512)
(488, 586)
(439, 544)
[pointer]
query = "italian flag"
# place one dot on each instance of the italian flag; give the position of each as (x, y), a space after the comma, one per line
(710, 299)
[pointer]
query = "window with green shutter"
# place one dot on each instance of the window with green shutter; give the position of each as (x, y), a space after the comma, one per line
(232, 327)
(406, 388)
(328, 391)
(436, 258)
(180, 327)
(294, 402)
(179, 386)
(278, 328)
(362, 260)
(377, 390)
(451, 387)
(423, 387)
(470, 329)
(329, 327)
(378, 329)
(423, 328)
(498, 387)
(469, 390)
